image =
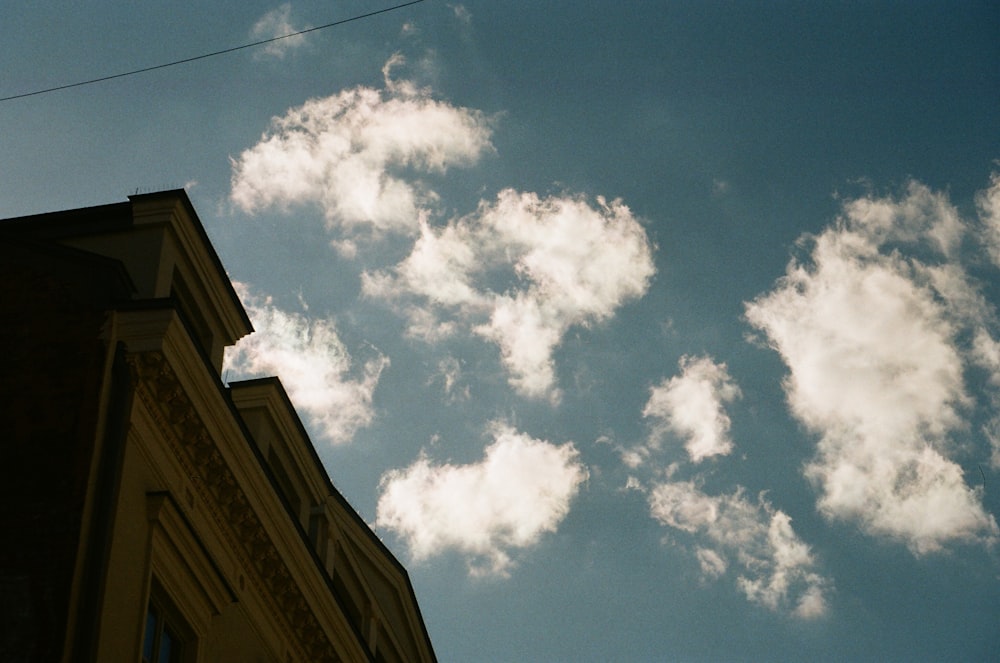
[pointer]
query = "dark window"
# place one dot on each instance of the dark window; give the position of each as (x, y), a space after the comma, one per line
(285, 483)
(191, 312)
(160, 643)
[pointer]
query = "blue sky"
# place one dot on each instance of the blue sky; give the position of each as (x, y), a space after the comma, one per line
(643, 331)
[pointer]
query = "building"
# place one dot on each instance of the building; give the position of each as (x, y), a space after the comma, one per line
(149, 511)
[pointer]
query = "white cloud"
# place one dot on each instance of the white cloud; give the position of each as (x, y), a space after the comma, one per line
(633, 483)
(277, 23)
(520, 271)
(312, 363)
(449, 375)
(713, 564)
(871, 339)
(527, 335)
(692, 405)
(921, 216)
(634, 458)
(521, 489)
(461, 13)
(988, 202)
(992, 433)
(777, 568)
(720, 187)
(346, 152)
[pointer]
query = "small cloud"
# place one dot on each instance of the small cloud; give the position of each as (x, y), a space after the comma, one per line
(634, 458)
(449, 375)
(713, 565)
(277, 23)
(520, 490)
(667, 328)
(692, 405)
(633, 483)
(345, 248)
(720, 187)
(322, 381)
(461, 13)
(777, 570)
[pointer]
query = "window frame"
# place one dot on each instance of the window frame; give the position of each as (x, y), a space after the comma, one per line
(184, 583)
(166, 619)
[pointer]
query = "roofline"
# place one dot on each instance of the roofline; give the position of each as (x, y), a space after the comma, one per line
(99, 219)
(199, 227)
(334, 492)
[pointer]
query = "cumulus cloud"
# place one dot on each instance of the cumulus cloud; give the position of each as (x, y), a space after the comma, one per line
(348, 153)
(315, 368)
(871, 327)
(921, 216)
(520, 271)
(777, 570)
(278, 23)
(692, 405)
(520, 490)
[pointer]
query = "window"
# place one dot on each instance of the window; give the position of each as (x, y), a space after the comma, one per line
(162, 640)
(319, 530)
(186, 587)
(285, 483)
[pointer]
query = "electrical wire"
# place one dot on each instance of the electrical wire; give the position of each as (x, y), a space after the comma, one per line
(208, 55)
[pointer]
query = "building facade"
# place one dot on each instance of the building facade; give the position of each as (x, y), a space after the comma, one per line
(151, 512)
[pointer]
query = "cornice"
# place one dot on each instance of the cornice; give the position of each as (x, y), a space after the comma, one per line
(174, 210)
(161, 392)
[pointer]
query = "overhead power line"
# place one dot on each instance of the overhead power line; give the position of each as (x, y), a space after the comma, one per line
(209, 55)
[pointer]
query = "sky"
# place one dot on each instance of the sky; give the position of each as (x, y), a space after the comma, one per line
(638, 331)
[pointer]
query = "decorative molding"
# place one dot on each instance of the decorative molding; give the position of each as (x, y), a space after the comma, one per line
(180, 560)
(158, 387)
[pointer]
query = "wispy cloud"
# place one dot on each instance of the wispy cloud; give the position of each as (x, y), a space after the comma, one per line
(986, 349)
(692, 406)
(521, 490)
(872, 337)
(728, 533)
(988, 203)
(314, 366)
(345, 152)
(278, 23)
(449, 376)
(462, 14)
(520, 271)
(777, 570)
